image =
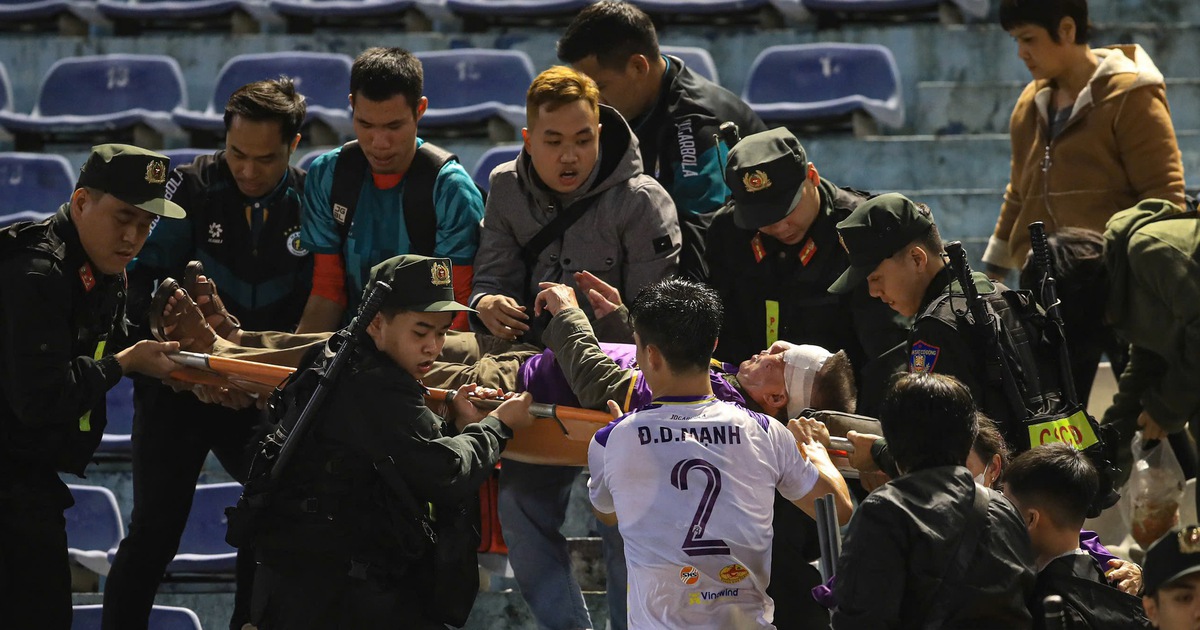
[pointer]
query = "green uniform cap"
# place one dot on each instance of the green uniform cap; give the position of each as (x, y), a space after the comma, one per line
(877, 229)
(419, 283)
(132, 174)
(765, 173)
(1171, 557)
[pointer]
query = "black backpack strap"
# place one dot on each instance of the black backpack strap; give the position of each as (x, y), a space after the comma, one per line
(420, 217)
(956, 570)
(348, 176)
(554, 230)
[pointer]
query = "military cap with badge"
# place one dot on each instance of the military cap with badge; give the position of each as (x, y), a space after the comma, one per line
(765, 173)
(1172, 557)
(419, 283)
(875, 231)
(132, 174)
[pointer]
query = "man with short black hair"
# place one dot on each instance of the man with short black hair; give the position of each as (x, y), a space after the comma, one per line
(63, 311)
(932, 548)
(1052, 486)
(243, 232)
(675, 112)
(653, 466)
(398, 194)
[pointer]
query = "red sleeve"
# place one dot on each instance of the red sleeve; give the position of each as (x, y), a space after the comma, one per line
(329, 278)
(463, 276)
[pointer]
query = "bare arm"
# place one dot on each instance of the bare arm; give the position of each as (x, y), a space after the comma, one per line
(320, 315)
(829, 480)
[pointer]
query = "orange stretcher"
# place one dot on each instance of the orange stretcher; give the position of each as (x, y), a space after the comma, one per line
(560, 443)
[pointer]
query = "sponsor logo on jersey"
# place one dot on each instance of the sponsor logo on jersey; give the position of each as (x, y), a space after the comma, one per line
(708, 597)
(293, 243)
(733, 573)
(689, 575)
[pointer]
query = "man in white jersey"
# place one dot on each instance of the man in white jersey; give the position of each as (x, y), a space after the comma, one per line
(691, 479)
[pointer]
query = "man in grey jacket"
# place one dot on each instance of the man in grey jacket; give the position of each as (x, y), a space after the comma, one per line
(578, 196)
(574, 200)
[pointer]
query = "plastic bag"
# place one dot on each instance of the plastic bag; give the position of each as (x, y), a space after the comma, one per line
(1150, 499)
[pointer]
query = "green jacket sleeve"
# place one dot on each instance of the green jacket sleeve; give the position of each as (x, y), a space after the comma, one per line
(594, 377)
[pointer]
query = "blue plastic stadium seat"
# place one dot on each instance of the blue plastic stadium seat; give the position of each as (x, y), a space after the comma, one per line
(93, 526)
(307, 160)
(471, 85)
(122, 91)
(33, 186)
(87, 617)
(698, 59)
(323, 79)
(202, 548)
(18, 11)
(698, 7)
(492, 158)
(183, 157)
(174, 9)
(506, 8)
(119, 432)
(802, 82)
(973, 8)
(333, 9)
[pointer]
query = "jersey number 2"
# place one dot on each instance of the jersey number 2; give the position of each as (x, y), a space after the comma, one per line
(693, 544)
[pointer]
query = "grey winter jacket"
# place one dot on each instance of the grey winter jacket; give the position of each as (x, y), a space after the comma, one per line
(629, 236)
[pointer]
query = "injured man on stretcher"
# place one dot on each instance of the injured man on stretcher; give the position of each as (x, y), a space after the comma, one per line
(574, 369)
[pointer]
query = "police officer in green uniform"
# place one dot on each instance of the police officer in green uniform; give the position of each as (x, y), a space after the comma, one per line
(772, 253)
(896, 250)
(63, 289)
(338, 545)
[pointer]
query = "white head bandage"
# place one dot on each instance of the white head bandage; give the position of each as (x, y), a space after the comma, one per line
(800, 365)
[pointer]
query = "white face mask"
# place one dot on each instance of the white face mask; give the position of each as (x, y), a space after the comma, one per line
(981, 478)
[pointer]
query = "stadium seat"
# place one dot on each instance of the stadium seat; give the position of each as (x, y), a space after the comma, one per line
(977, 9)
(472, 85)
(202, 548)
(66, 16)
(122, 91)
(181, 157)
(492, 158)
(118, 433)
(307, 160)
(178, 10)
(698, 59)
(323, 79)
(698, 7)
(33, 186)
(811, 82)
(339, 9)
(93, 527)
(87, 617)
(508, 8)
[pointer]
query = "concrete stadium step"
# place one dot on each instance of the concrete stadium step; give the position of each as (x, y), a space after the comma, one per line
(884, 163)
(945, 107)
(493, 610)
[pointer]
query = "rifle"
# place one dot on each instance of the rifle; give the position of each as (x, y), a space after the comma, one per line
(289, 441)
(986, 330)
(729, 133)
(1048, 297)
